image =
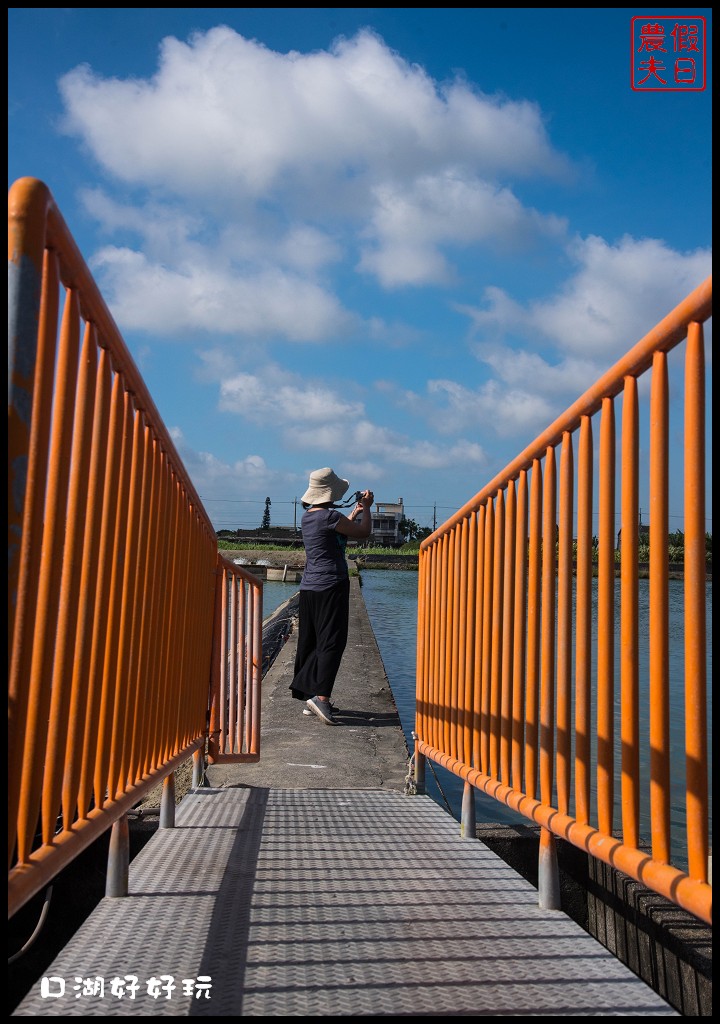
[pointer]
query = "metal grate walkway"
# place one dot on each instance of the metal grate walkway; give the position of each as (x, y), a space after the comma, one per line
(331, 903)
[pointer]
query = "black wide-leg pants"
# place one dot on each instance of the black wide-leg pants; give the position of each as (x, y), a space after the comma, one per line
(322, 638)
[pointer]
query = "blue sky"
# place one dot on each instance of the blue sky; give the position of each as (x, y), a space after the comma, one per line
(396, 241)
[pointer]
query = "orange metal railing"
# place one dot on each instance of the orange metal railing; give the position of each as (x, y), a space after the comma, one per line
(112, 567)
(506, 694)
(237, 667)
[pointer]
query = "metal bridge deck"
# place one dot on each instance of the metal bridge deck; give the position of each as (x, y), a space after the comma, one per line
(331, 903)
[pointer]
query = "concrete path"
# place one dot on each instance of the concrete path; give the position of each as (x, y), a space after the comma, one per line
(366, 750)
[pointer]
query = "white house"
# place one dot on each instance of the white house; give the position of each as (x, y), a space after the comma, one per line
(386, 519)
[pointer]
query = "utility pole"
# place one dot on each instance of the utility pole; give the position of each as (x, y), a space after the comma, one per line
(434, 517)
(295, 514)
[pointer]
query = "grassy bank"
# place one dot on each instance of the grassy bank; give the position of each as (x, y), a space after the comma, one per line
(228, 545)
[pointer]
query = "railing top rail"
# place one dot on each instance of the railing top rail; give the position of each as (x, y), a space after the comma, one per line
(668, 333)
(31, 207)
(238, 570)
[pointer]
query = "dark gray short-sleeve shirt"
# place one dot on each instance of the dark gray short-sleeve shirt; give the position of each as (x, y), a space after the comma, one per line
(325, 563)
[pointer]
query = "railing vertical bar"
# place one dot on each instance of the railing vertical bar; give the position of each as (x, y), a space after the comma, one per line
(508, 635)
(564, 625)
(202, 630)
(82, 698)
(422, 643)
(173, 716)
(48, 584)
(248, 630)
(175, 726)
(456, 659)
(487, 636)
(22, 602)
(112, 645)
(532, 692)
(629, 697)
(520, 626)
(423, 724)
(479, 638)
(103, 624)
(257, 668)
(606, 620)
(145, 687)
(242, 654)
(215, 745)
(137, 606)
(583, 624)
(438, 611)
(462, 640)
(248, 654)
(157, 678)
(547, 659)
(497, 633)
(427, 715)
(193, 643)
(173, 640)
(659, 696)
(695, 639)
(433, 571)
(223, 666)
(232, 664)
(193, 650)
(471, 589)
(128, 609)
(441, 717)
(450, 673)
(255, 652)
(65, 653)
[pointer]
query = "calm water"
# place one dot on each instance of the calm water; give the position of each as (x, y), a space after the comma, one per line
(391, 601)
(275, 593)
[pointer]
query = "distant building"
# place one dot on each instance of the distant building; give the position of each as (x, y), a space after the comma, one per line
(386, 519)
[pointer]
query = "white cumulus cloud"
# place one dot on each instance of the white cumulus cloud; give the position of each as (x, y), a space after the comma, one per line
(193, 297)
(311, 415)
(617, 294)
(296, 147)
(225, 112)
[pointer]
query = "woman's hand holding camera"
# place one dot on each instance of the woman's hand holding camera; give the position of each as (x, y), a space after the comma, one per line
(365, 500)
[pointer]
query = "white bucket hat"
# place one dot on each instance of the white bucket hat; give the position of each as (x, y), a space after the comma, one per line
(324, 486)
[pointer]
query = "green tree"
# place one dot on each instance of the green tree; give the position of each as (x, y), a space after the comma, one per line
(409, 529)
(265, 525)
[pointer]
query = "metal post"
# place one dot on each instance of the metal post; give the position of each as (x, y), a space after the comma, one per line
(419, 771)
(467, 815)
(167, 802)
(198, 769)
(548, 874)
(118, 865)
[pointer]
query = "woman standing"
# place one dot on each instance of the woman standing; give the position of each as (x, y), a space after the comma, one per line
(325, 588)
